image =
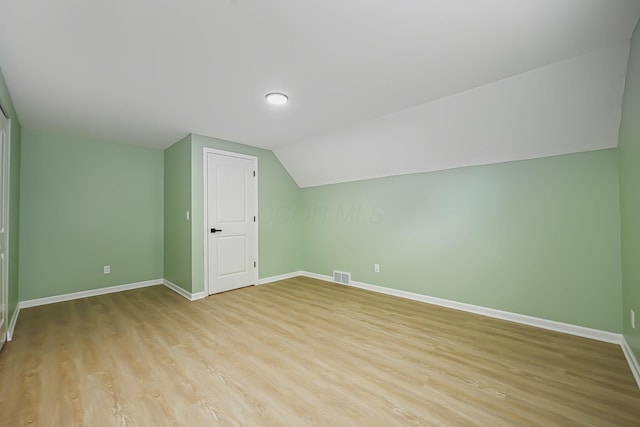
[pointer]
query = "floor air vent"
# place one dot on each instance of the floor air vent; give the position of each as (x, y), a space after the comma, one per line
(341, 277)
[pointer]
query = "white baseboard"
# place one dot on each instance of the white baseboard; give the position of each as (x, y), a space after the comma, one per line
(271, 279)
(90, 293)
(12, 322)
(177, 289)
(318, 276)
(631, 359)
(552, 325)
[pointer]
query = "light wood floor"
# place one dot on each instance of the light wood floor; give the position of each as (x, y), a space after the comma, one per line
(301, 352)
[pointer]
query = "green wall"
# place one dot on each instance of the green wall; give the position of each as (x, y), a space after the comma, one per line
(14, 196)
(83, 204)
(537, 237)
(279, 239)
(629, 150)
(177, 201)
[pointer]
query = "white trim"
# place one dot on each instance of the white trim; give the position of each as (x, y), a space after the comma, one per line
(198, 295)
(205, 195)
(87, 294)
(229, 153)
(179, 290)
(285, 276)
(552, 325)
(318, 276)
(13, 322)
(631, 359)
(6, 195)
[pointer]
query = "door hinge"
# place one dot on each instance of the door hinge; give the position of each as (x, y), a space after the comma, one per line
(254, 173)
(254, 218)
(255, 264)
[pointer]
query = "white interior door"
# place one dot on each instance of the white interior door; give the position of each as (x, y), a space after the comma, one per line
(231, 201)
(4, 203)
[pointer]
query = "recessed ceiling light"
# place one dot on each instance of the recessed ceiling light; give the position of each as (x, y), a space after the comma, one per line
(277, 98)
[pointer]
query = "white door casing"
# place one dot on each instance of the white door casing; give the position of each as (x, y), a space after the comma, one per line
(4, 223)
(231, 227)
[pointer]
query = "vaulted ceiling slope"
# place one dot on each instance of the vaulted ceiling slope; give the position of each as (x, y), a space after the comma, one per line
(445, 82)
(571, 106)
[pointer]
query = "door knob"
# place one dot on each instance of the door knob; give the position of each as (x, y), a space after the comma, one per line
(215, 230)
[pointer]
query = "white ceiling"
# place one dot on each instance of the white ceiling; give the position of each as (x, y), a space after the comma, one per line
(566, 107)
(151, 71)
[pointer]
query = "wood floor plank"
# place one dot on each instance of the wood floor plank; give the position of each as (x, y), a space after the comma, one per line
(301, 352)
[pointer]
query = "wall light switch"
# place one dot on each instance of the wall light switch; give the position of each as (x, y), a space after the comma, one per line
(107, 269)
(188, 215)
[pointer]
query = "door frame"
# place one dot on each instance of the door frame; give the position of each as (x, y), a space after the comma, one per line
(205, 230)
(7, 199)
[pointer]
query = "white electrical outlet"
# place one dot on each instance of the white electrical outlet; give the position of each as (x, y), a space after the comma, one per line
(376, 268)
(107, 269)
(633, 319)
